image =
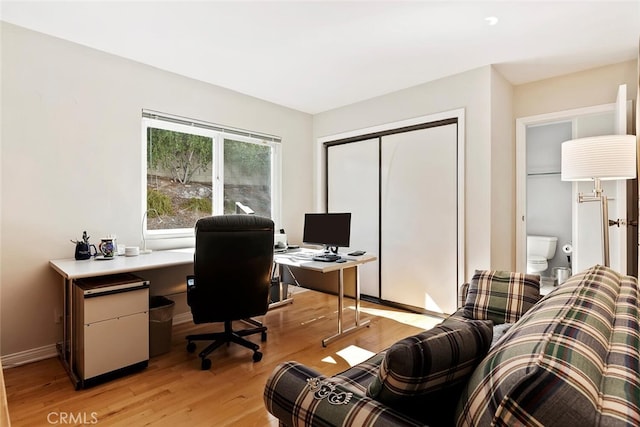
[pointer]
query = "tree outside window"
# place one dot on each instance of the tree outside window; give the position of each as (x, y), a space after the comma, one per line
(193, 173)
(179, 178)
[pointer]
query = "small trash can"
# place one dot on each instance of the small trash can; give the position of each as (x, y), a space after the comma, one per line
(160, 323)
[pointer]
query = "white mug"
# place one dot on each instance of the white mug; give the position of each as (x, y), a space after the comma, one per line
(132, 251)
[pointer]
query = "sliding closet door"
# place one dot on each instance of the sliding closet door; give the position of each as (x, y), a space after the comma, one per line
(352, 186)
(419, 218)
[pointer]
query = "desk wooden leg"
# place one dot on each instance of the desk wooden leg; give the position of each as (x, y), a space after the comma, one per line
(357, 324)
(358, 295)
(280, 303)
(284, 299)
(65, 348)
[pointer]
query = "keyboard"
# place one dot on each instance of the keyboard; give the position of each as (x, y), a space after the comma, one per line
(327, 257)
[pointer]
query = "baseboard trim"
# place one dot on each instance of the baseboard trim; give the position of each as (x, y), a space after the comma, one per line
(49, 351)
(29, 356)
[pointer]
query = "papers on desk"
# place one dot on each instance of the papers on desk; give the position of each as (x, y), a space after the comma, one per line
(303, 256)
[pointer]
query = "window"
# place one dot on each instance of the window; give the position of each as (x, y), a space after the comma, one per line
(195, 169)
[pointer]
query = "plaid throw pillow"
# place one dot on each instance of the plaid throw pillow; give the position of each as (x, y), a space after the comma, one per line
(423, 375)
(501, 296)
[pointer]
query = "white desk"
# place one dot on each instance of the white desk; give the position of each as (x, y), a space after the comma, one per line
(71, 269)
(302, 259)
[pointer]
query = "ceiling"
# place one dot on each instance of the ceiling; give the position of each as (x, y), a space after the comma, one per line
(316, 56)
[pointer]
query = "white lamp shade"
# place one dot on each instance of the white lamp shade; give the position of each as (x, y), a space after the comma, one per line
(605, 157)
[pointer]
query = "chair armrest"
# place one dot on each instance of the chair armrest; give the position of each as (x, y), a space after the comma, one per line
(191, 288)
(299, 396)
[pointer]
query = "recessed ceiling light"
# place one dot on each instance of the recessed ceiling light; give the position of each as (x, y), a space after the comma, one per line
(491, 20)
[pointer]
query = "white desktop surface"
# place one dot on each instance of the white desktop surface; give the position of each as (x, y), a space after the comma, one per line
(303, 259)
(70, 268)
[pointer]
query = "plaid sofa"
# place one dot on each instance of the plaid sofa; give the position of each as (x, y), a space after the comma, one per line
(570, 359)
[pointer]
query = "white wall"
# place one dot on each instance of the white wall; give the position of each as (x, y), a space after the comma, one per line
(548, 199)
(578, 90)
(71, 156)
(491, 106)
(584, 89)
(72, 161)
(502, 175)
(472, 91)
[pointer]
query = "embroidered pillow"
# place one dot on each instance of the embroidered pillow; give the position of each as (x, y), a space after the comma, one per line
(422, 375)
(501, 296)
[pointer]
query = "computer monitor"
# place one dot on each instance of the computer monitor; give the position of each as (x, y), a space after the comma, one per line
(332, 230)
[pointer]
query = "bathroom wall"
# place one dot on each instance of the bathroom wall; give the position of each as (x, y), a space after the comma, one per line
(548, 198)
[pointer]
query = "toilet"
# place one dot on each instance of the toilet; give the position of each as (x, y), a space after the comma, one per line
(540, 249)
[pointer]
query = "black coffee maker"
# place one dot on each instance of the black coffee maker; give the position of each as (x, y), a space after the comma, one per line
(83, 247)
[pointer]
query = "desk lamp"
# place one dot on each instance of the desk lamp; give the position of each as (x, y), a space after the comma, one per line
(599, 158)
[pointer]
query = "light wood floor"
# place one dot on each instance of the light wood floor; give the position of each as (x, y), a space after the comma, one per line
(173, 391)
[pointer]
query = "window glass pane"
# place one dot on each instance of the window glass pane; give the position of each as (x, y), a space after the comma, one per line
(247, 176)
(179, 178)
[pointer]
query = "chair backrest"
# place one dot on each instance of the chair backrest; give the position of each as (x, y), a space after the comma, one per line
(232, 267)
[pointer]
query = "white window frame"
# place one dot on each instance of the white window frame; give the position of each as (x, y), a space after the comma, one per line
(217, 165)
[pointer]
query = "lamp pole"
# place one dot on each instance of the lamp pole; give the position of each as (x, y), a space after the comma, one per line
(604, 208)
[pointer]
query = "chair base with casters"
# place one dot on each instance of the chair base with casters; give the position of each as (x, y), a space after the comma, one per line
(227, 337)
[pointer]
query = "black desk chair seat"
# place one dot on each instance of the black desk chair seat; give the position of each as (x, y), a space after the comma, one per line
(233, 263)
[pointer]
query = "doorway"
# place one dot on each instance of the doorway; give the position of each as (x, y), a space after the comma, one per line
(545, 204)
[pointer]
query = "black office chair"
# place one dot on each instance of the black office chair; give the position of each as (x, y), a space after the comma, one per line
(233, 262)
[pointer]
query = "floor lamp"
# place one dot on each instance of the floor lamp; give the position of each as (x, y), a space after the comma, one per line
(599, 158)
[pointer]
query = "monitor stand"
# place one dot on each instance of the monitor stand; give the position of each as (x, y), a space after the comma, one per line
(332, 249)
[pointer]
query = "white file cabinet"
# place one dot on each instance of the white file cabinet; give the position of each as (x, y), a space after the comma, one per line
(111, 322)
